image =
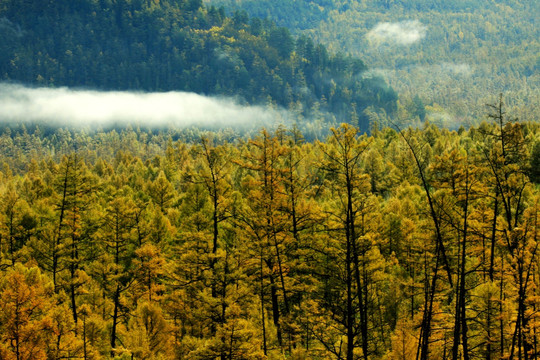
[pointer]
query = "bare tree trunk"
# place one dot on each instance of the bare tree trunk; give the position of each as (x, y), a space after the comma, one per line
(263, 320)
(425, 328)
(275, 311)
(116, 302)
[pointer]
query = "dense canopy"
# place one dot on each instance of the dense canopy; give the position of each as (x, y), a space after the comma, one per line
(135, 245)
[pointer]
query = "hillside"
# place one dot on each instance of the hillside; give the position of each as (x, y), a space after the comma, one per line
(456, 56)
(182, 45)
(132, 245)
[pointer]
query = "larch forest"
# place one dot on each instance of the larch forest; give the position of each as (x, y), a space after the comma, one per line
(252, 180)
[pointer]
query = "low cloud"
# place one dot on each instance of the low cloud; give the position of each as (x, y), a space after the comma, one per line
(444, 119)
(377, 72)
(458, 69)
(400, 33)
(83, 108)
(443, 69)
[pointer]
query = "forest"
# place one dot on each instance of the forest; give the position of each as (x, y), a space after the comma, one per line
(182, 45)
(408, 229)
(414, 243)
(465, 50)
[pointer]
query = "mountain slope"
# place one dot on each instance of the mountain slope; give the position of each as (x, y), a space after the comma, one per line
(466, 52)
(180, 45)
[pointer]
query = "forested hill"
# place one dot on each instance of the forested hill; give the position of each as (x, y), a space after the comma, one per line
(180, 45)
(455, 56)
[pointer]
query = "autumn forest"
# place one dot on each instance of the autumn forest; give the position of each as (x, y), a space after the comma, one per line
(269, 180)
(402, 244)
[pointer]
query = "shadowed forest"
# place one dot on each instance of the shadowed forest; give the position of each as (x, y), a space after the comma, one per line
(451, 55)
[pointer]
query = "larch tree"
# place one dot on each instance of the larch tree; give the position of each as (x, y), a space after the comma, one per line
(118, 247)
(349, 188)
(26, 297)
(266, 224)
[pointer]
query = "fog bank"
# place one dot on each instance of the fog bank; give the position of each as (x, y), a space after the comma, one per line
(400, 33)
(83, 108)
